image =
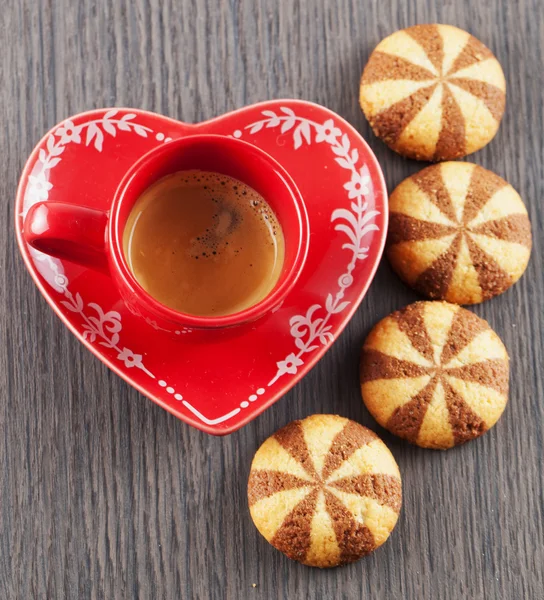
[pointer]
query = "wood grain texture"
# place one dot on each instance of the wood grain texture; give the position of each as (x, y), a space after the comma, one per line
(105, 495)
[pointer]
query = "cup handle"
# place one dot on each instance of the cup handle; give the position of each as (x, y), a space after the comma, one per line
(68, 231)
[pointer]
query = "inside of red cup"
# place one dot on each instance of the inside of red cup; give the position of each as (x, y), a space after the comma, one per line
(235, 159)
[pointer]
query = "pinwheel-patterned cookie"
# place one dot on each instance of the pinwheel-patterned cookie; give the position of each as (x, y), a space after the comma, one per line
(458, 232)
(325, 491)
(434, 374)
(433, 92)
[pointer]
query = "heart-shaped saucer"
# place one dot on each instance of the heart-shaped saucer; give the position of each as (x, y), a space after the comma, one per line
(216, 380)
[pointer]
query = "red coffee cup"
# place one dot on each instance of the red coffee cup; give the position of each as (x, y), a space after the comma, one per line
(93, 238)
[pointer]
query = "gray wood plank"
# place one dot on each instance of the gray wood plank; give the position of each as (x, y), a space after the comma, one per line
(105, 495)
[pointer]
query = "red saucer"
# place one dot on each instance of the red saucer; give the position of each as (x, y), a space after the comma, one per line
(216, 380)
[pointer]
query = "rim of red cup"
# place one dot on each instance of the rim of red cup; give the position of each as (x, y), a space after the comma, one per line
(145, 172)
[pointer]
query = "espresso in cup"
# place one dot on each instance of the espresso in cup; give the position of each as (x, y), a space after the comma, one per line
(204, 244)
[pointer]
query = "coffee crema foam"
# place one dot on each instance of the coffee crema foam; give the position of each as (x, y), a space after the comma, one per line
(204, 243)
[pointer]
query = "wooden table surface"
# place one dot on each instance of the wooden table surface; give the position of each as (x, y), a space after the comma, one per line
(105, 495)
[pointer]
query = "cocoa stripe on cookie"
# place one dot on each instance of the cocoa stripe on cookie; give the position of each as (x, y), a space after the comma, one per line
(377, 365)
(263, 484)
(386, 489)
(430, 182)
(491, 95)
(410, 320)
(407, 419)
(384, 67)
(492, 373)
(291, 437)
(346, 442)
(299, 520)
(473, 52)
(353, 538)
(465, 423)
(403, 228)
(483, 184)
(492, 278)
(465, 326)
(513, 228)
(435, 281)
(390, 123)
(452, 138)
(429, 38)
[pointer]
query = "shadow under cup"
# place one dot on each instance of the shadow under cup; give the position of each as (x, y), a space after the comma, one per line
(239, 160)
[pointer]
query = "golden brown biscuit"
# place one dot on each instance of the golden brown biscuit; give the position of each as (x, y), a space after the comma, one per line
(433, 92)
(325, 491)
(458, 232)
(434, 374)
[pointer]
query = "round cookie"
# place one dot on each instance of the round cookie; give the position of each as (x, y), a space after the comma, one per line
(324, 491)
(434, 374)
(433, 92)
(458, 232)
